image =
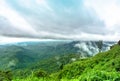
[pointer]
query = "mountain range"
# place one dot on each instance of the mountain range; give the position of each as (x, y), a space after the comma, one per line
(42, 54)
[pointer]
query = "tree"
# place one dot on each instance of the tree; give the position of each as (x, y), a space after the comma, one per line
(61, 66)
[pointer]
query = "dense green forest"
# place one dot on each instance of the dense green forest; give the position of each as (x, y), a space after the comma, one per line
(104, 66)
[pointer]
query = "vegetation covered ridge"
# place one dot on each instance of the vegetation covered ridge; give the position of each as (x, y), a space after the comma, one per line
(105, 66)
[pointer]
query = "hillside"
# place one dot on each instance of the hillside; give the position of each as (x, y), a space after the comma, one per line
(104, 66)
(62, 66)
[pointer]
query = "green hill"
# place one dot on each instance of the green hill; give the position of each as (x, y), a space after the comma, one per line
(104, 66)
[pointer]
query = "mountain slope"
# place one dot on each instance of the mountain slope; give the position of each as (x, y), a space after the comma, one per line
(15, 57)
(103, 66)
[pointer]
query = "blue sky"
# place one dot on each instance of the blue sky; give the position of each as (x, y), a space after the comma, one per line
(60, 19)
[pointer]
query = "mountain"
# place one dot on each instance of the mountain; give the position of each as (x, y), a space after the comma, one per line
(14, 55)
(46, 53)
(103, 66)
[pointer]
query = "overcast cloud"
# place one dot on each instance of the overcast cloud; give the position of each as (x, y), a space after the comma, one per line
(60, 19)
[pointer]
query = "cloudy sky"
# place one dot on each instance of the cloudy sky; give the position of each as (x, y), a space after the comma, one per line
(60, 19)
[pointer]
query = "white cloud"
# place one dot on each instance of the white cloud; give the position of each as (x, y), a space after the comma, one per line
(25, 3)
(15, 18)
(7, 40)
(44, 4)
(108, 10)
(45, 21)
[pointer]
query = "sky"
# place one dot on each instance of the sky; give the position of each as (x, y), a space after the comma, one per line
(59, 19)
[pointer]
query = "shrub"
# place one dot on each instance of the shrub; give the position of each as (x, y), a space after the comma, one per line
(40, 74)
(5, 76)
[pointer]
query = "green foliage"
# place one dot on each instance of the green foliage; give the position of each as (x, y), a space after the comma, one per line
(102, 67)
(5, 76)
(55, 63)
(98, 75)
(40, 73)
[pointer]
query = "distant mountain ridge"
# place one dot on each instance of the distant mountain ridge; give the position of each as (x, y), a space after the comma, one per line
(22, 55)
